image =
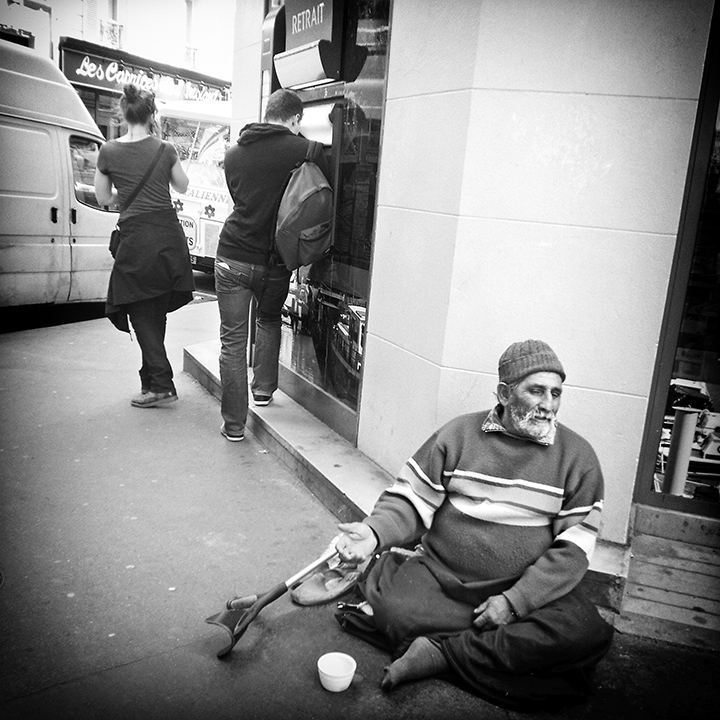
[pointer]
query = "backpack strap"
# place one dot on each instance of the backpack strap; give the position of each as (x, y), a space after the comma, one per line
(145, 177)
(274, 255)
(311, 150)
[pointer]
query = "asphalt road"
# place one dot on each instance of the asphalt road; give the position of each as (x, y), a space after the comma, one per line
(121, 530)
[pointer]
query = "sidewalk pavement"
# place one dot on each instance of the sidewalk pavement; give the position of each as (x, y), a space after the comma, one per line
(122, 529)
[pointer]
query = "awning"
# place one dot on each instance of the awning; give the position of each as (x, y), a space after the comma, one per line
(312, 64)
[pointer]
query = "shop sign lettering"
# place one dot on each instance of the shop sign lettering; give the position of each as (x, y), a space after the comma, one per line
(200, 194)
(190, 229)
(90, 70)
(307, 19)
(195, 92)
(113, 74)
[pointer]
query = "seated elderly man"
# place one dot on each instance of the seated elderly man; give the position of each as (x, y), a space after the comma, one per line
(506, 506)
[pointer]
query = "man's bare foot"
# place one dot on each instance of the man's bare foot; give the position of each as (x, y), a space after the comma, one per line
(422, 659)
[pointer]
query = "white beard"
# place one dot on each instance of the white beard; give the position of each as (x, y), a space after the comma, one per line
(532, 423)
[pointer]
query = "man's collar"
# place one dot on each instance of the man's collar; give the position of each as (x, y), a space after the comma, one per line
(493, 423)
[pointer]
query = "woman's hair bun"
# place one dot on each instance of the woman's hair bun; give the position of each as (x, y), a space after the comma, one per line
(137, 105)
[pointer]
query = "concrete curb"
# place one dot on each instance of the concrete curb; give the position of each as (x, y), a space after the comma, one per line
(347, 482)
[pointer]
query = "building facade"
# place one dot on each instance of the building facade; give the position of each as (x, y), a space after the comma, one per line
(503, 171)
(180, 49)
(529, 169)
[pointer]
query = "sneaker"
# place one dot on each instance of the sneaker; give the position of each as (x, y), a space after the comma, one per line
(262, 399)
(231, 438)
(153, 399)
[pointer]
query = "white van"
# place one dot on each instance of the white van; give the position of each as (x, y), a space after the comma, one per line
(53, 235)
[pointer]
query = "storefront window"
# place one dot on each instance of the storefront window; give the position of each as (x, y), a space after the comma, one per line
(104, 110)
(688, 456)
(324, 329)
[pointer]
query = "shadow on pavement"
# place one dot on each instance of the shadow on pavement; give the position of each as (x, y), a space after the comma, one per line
(28, 317)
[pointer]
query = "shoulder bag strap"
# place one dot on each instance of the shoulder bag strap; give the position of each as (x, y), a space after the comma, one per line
(311, 150)
(148, 172)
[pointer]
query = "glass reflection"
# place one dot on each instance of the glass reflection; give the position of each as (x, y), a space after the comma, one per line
(84, 155)
(688, 458)
(325, 312)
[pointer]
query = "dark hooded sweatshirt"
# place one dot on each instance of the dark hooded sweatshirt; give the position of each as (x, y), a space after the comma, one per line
(255, 170)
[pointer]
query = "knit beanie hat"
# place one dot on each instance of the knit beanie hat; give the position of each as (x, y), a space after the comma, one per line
(526, 357)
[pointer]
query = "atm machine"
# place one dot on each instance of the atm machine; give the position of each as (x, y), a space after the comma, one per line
(333, 54)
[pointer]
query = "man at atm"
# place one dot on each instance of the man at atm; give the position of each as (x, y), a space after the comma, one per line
(256, 169)
(476, 552)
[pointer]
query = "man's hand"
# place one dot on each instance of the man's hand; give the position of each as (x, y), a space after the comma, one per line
(493, 613)
(357, 542)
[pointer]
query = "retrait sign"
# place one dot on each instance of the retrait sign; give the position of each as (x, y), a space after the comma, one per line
(307, 21)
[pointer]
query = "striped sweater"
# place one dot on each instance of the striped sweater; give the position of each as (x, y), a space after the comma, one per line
(492, 507)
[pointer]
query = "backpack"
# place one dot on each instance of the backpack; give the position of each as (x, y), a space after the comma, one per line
(303, 228)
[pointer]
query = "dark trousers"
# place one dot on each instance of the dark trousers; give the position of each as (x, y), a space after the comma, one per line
(149, 319)
(543, 658)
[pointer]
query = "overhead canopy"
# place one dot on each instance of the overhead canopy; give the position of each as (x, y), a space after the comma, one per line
(303, 40)
(312, 64)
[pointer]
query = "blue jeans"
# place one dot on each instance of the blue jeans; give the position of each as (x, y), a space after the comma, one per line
(236, 284)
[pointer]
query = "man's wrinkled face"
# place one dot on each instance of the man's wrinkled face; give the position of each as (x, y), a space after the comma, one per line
(531, 406)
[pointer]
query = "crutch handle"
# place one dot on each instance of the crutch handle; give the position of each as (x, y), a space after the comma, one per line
(329, 553)
(241, 603)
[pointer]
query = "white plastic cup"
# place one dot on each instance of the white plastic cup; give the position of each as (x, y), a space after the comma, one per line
(336, 671)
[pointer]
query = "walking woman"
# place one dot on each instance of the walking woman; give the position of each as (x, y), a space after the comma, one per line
(152, 275)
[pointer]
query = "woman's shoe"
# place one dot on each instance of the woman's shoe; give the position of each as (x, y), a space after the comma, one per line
(153, 399)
